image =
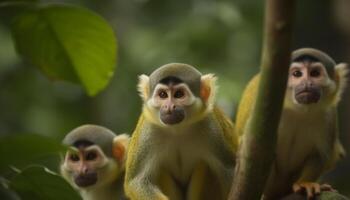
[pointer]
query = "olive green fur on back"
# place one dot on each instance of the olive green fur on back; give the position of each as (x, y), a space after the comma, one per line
(246, 105)
(227, 128)
(186, 73)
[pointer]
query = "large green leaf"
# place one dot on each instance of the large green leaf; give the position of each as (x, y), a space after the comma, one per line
(68, 43)
(21, 150)
(38, 183)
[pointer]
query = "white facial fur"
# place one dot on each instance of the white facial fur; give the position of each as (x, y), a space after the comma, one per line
(187, 99)
(313, 73)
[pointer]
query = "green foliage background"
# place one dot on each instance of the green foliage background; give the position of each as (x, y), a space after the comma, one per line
(216, 36)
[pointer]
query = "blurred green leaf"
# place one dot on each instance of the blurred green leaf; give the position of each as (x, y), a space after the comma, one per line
(10, 4)
(21, 150)
(5, 192)
(13, 1)
(38, 183)
(68, 43)
(9, 9)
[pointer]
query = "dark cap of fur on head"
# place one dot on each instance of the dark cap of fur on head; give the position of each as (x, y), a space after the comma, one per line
(94, 134)
(186, 73)
(318, 55)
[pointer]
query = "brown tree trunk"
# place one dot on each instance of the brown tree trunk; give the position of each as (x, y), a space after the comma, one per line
(257, 151)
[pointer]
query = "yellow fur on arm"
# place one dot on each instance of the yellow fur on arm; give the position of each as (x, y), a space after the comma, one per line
(338, 154)
(197, 181)
(311, 171)
(168, 186)
(131, 167)
(338, 149)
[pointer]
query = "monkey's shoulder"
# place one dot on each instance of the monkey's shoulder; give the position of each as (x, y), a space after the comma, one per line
(227, 127)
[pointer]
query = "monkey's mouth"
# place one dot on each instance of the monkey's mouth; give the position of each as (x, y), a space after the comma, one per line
(308, 96)
(86, 180)
(172, 118)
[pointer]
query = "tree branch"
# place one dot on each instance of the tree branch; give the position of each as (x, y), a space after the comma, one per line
(257, 151)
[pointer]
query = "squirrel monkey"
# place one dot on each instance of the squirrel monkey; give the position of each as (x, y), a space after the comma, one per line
(183, 146)
(307, 144)
(95, 163)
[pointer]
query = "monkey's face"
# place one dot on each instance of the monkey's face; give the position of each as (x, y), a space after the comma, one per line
(172, 102)
(82, 165)
(308, 83)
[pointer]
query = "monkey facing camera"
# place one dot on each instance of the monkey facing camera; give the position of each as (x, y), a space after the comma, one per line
(95, 162)
(308, 144)
(183, 146)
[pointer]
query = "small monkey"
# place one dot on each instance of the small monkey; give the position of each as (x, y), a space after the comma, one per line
(308, 143)
(95, 163)
(183, 146)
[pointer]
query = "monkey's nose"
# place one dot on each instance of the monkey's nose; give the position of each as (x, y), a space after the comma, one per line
(172, 107)
(306, 85)
(83, 170)
(169, 108)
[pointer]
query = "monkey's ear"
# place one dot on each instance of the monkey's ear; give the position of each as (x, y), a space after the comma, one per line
(341, 79)
(120, 147)
(208, 89)
(143, 87)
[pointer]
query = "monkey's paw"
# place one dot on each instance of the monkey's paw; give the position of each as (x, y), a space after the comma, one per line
(311, 188)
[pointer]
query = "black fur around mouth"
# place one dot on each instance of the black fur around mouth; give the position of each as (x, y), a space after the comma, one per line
(86, 180)
(172, 119)
(308, 96)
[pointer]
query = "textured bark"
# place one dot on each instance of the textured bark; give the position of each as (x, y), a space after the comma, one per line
(257, 151)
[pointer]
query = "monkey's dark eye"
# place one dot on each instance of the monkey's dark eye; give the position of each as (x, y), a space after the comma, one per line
(74, 157)
(91, 156)
(297, 73)
(315, 73)
(163, 94)
(179, 94)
